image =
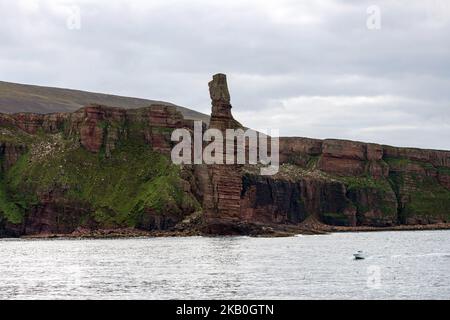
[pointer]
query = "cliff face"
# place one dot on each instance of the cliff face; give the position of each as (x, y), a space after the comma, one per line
(98, 167)
(386, 185)
(351, 184)
(336, 182)
(103, 167)
(224, 182)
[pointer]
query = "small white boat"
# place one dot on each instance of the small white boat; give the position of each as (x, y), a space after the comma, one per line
(359, 255)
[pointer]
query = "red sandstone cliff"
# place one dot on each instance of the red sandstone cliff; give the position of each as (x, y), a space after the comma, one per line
(333, 181)
(337, 182)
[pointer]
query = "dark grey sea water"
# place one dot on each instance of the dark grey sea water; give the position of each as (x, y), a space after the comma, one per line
(400, 265)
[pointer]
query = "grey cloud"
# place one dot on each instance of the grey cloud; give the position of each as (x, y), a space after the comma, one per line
(272, 51)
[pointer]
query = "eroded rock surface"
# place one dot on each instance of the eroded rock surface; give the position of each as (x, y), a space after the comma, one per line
(109, 168)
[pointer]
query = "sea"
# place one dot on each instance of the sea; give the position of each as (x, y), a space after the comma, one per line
(397, 265)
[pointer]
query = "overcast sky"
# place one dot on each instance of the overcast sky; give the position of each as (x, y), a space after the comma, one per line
(309, 68)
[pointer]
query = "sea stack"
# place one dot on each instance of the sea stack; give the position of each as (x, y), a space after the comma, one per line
(225, 180)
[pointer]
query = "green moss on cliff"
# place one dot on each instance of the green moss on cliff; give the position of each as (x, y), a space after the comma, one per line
(162, 130)
(429, 198)
(13, 205)
(444, 170)
(403, 163)
(370, 194)
(421, 197)
(312, 162)
(10, 134)
(118, 189)
(8, 209)
(397, 162)
(354, 183)
(334, 218)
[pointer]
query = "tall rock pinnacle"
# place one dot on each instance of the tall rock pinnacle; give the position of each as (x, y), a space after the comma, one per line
(221, 117)
(218, 88)
(222, 182)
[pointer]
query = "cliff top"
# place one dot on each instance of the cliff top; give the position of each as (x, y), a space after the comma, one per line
(16, 98)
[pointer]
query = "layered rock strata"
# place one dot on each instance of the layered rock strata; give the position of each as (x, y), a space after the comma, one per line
(105, 168)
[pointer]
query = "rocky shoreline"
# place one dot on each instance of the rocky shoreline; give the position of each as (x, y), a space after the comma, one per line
(264, 231)
(419, 227)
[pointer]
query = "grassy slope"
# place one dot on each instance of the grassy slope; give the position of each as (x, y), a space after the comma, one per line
(29, 98)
